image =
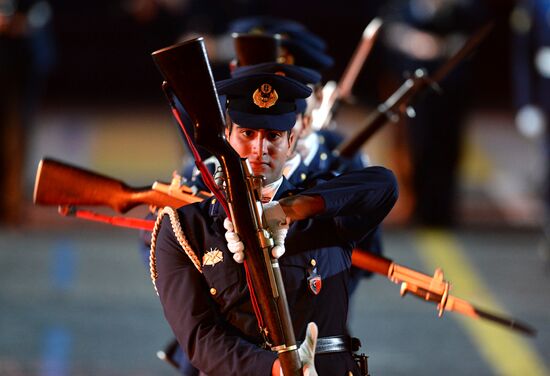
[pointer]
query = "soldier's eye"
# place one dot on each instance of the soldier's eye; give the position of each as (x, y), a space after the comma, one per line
(247, 133)
(273, 136)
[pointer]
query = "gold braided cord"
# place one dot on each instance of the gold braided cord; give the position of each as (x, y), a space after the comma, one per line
(180, 236)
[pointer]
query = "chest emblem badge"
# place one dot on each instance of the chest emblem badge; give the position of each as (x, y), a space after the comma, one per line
(314, 280)
(212, 257)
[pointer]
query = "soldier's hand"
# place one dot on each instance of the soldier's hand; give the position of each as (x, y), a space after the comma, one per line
(277, 224)
(234, 243)
(307, 350)
(306, 353)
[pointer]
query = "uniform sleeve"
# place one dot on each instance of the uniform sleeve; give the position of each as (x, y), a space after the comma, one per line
(356, 202)
(194, 319)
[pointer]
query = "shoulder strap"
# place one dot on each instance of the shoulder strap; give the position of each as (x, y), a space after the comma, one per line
(180, 236)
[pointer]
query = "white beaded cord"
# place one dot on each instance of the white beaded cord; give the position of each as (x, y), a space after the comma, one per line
(180, 236)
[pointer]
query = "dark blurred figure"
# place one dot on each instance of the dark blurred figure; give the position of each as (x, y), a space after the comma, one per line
(26, 56)
(530, 23)
(424, 34)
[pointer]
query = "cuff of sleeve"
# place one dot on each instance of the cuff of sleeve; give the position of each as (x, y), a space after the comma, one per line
(274, 213)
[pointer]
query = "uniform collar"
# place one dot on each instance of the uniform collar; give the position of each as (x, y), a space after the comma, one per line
(269, 191)
(310, 145)
(291, 165)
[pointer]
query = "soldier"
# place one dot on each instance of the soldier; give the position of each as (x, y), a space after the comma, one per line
(294, 45)
(424, 34)
(531, 75)
(203, 290)
(300, 47)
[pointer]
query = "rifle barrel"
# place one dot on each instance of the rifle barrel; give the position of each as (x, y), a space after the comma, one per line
(465, 308)
(359, 56)
(428, 289)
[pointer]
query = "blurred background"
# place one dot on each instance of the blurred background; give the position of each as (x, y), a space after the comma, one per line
(77, 83)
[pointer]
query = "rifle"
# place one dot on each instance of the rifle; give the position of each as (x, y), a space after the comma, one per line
(434, 289)
(397, 104)
(187, 73)
(58, 183)
(333, 92)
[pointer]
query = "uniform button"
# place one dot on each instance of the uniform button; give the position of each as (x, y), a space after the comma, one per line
(313, 262)
(213, 291)
(303, 176)
(213, 201)
(323, 156)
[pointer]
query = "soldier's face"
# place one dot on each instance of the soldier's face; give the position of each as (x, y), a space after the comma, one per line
(266, 150)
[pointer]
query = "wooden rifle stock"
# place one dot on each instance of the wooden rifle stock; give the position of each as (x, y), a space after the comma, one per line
(58, 183)
(186, 69)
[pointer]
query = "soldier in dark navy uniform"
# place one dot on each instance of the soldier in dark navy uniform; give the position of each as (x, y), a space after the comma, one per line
(315, 147)
(424, 34)
(203, 290)
(530, 23)
(319, 148)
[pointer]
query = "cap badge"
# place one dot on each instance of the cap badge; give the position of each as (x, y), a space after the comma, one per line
(212, 257)
(265, 96)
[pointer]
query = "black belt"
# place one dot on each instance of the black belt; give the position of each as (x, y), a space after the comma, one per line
(334, 344)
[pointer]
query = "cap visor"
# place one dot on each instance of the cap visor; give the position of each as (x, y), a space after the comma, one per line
(282, 122)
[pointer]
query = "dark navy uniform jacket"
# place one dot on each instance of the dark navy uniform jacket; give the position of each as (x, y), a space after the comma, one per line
(299, 175)
(210, 312)
(325, 159)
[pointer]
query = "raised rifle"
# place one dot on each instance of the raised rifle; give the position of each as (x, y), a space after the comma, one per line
(433, 289)
(398, 103)
(58, 183)
(187, 73)
(68, 186)
(333, 92)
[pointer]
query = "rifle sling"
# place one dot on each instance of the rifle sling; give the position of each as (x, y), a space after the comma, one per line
(137, 223)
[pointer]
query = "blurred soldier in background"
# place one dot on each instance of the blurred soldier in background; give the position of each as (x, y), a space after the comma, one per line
(26, 56)
(424, 34)
(530, 23)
